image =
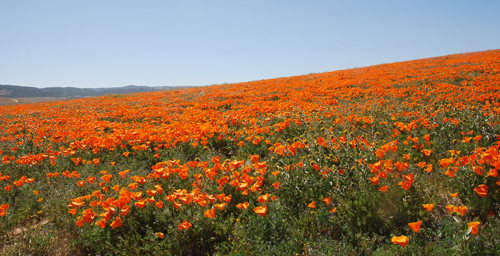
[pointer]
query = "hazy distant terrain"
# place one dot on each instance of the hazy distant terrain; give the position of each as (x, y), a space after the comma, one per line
(14, 94)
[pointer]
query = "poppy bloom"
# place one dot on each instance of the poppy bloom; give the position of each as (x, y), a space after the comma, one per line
(401, 240)
(482, 190)
(261, 210)
(276, 185)
(263, 198)
(106, 178)
(159, 204)
(133, 186)
(151, 200)
(454, 195)
(106, 215)
(3, 209)
(472, 226)
(123, 173)
(160, 235)
(101, 223)
(116, 223)
(141, 203)
(450, 208)
(327, 200)
(426, 152)
(492, 173)
(210, 213)
(185, 225)
(312, 205)
(79, 222)
(91, 179)
(221, 206)
(428, 207)
(383, 189)
(415, 225)
(243, 205)
(460, 209)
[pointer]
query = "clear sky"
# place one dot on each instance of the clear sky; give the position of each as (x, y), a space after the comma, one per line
(105, 43)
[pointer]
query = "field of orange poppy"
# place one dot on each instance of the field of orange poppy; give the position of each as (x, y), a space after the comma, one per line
(398, 158)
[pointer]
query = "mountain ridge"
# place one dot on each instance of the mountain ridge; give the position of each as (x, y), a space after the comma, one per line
(18, 91)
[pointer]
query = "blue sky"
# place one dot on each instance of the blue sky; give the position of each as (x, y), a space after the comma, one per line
(174, 43)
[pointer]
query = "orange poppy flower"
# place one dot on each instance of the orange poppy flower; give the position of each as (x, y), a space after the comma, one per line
(116, 223)
(428, 207)
(88, 215)
(106, 215)
(8, 188)
(79, 222)
(482, 190)
(454, 195)
(383, 189)
(312, 205)
(141, 203)
(401, 240)
(254, 158)
(327, 200)
(492, 173)
(91, 179)
(106, 178)
(276, 185)
(210, 213)
(177, 205)
(461, 210)
(472, 226)
(160, 235)
(159, 204)
(263, 198)
(101, 223)
(159, 189)
(261, 210)
(4, 207)
(243, 205)
(415, 225)
(185, 225)
(426, 152)
(221, 206)
(123, 173)
(133, 186)
(450, 208)
(150, 200)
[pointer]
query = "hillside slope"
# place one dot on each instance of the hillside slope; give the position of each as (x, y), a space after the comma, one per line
(393, 159)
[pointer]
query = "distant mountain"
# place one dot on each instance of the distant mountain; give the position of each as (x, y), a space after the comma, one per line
(15, 91)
